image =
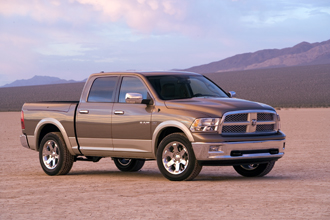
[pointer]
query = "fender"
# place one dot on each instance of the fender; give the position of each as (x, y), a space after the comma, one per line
(58, 124)
(167, 124)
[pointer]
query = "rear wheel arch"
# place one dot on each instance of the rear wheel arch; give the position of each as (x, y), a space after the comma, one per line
(49, 125)
(47, 128)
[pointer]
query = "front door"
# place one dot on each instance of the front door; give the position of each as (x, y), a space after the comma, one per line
(131, 123)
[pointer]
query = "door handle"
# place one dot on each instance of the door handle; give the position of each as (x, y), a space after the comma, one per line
(118, 112)
(83, 111)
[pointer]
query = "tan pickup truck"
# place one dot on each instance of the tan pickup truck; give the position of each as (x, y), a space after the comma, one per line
(181, 119)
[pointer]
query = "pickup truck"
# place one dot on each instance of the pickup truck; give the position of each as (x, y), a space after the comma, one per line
(182, 120)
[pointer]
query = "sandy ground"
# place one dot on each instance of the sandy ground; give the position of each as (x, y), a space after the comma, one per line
(297, 188)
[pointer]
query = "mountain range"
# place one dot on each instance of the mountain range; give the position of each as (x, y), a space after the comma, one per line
(303, 53)
(39, 80)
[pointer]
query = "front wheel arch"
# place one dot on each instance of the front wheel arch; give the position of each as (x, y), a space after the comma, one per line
(165, 132)
(173, 127)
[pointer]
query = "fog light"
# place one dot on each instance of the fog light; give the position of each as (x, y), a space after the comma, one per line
(214, 148)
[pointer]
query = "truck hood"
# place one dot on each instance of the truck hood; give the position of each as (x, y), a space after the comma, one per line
(215, 106)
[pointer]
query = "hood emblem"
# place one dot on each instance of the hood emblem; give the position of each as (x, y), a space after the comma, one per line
(254, 122)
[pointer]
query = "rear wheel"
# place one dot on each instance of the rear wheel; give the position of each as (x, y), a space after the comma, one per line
(128, 165)
(176, 159)
(254, 170)
(54, 157)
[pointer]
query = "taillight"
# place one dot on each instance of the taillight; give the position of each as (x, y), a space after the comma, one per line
(22, 120)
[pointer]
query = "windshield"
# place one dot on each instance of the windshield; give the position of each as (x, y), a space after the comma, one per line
(171, 87)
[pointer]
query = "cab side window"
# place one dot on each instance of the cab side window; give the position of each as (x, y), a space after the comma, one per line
(103, 89)
(132, 85)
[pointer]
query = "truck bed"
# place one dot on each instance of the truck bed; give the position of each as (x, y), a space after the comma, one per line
(41, 117)
(61, 106)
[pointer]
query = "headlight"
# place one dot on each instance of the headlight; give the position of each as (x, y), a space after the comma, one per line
(278, 122)
(205, 124)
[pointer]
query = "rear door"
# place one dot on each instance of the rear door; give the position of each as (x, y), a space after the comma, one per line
(93, 121)
(131, 123)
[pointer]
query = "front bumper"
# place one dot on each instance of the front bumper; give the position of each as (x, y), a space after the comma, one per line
(24, 141)
(238, 152)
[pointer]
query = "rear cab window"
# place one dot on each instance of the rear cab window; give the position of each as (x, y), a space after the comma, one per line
(103, 89)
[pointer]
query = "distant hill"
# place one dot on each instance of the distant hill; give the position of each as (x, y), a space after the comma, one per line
(12, 98)
(299, 86)
(39, 80)
(301, 54)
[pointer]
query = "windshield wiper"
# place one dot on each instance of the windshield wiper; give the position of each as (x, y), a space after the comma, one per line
(201, 95)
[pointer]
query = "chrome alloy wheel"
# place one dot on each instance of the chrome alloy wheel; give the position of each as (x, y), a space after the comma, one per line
(250, 166)
(50, 154)
(124, 161)
(175, 158)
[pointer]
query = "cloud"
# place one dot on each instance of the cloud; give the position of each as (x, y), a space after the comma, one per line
(108, 60)
(267, 15)
(141, 15)
(38, 10)
(63, 50)
(15, 56)
(67, 36)
(187, 17)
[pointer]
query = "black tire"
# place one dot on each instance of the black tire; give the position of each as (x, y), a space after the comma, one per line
(128, 165)
(176, 159)
(255, 170)
(54, 157)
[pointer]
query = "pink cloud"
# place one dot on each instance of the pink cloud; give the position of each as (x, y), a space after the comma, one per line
(141, 15)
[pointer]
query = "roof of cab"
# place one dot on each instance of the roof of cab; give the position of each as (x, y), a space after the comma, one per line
(147, 73)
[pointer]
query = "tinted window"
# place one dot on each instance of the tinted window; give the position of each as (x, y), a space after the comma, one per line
(102, 89)
(183, 87)
(132, 85)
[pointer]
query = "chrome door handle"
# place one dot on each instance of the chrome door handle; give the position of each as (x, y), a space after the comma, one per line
(83, 111)
(117, 112)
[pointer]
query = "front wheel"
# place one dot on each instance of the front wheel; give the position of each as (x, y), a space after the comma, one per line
(176, 159)
(128, 165)
(54, 157)
(254, 170)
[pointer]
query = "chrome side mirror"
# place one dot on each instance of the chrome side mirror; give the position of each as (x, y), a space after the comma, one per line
(232, 94)
(133, 98)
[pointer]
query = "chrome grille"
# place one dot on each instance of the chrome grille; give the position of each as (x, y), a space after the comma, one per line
(265, 117)
(248, 122)
(236, 117)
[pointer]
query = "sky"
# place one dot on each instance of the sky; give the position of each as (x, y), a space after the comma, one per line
(72, 39)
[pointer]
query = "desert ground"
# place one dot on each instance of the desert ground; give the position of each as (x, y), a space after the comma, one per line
(297, 188)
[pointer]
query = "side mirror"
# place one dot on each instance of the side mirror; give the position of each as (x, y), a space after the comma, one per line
(133, 98)
(136, 98)
(232, 94)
